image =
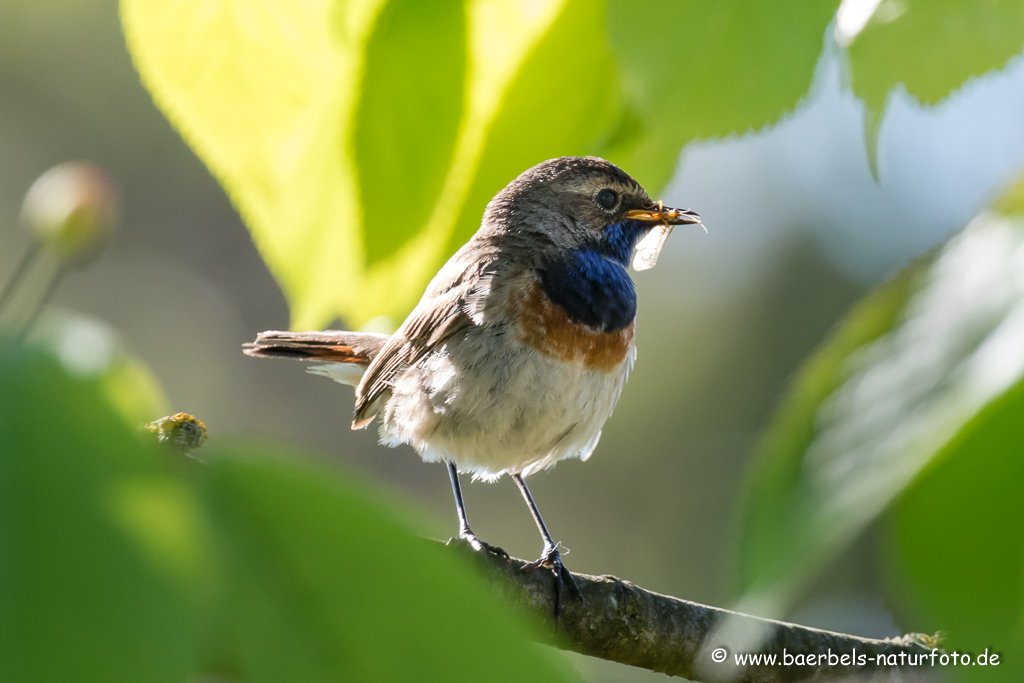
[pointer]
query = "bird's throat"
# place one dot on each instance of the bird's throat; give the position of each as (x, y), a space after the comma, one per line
(592, 289)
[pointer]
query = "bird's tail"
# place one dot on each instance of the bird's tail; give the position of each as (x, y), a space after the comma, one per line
(342, 356)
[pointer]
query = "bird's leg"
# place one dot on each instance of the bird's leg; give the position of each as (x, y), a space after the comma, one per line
(549, 557)
(465, 533)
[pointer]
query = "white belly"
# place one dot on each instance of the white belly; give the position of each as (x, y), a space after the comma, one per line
(494, 405)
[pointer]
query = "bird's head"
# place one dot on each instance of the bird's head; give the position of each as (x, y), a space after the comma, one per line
(573, 204)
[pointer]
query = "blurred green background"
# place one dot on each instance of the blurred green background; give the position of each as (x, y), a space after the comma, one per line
(817, 180)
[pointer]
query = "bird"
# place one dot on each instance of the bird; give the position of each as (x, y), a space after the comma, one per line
(518, 350)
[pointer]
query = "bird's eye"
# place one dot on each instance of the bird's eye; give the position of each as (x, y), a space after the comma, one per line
(607, 198)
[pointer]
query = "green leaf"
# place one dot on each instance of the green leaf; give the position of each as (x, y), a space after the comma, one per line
(408, 117)
(540, 84)
(264, 93)
(329, 588)
(905, 373)
(931, 46)
(296, 110)
(954, 550)
(708, 68)
(100, 549)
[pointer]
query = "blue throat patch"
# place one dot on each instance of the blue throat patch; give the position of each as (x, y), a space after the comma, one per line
(591, 283)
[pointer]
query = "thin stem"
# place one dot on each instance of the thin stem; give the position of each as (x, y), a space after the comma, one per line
(18, 274)
(50, 288)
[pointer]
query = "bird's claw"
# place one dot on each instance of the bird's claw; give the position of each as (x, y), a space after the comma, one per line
(470, 539)
(551, 559)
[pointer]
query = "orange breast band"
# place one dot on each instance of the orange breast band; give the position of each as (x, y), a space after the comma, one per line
(546, 327)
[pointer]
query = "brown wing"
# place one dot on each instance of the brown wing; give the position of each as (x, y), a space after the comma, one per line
(445, 310)
(424, 329)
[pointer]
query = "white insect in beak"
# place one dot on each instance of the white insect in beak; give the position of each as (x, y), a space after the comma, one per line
(649, 248)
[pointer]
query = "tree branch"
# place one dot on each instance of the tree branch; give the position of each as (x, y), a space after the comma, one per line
(619, 621)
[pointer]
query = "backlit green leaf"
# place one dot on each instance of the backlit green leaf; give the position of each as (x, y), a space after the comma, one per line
(264, 92)
(408, 118)
(706, 68)
(273, 96)
(931, 46)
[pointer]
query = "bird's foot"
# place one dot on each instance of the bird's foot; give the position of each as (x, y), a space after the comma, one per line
(470, 539)
(551, 559)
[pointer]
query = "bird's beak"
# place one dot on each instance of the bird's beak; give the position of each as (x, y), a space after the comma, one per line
(661, 219)
(660, 214)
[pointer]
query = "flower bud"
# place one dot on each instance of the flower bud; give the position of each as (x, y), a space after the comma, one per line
(181, 430)
(71, 210)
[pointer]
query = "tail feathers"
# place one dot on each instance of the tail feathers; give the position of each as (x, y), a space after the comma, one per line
(330, 346)
(341, 356)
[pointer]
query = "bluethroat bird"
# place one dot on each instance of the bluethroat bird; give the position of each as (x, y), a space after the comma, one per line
(519, 349)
